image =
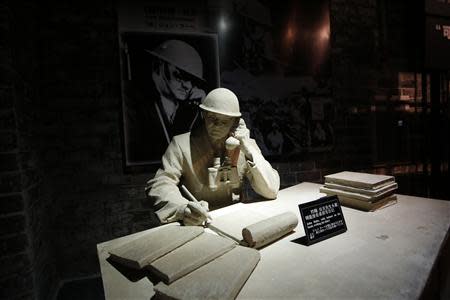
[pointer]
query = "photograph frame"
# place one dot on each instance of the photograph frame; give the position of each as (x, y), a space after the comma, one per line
(143, 143)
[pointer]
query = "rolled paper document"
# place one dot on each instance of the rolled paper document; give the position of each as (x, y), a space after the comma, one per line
(266, 231)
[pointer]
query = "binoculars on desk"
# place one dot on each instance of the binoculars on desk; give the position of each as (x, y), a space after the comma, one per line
(224, 175)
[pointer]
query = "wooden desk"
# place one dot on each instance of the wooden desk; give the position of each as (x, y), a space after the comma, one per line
(384, 254)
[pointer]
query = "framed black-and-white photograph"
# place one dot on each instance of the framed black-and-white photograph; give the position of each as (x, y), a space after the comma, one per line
(165, 76)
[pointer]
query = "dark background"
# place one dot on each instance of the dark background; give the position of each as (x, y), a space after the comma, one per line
(62, 184)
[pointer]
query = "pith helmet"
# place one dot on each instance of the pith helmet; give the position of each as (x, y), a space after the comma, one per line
(221, 101)
(181, 55)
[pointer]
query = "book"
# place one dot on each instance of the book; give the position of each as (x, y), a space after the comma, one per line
(159, 241)
(190, 256)
(366, 205)
(222, 278)
(359, 196)
(370, 192)
(359, 180)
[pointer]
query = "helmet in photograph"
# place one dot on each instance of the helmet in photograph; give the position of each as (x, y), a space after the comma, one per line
(182, 55)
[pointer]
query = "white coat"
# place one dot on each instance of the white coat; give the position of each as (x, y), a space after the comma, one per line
(186, 161)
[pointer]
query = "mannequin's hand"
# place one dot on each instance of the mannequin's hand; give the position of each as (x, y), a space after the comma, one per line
(196, 213)
(242, 133)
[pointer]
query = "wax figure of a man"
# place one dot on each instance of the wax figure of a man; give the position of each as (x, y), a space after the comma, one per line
(190, 157)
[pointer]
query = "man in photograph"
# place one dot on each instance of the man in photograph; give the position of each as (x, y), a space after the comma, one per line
(166, 102)
(177, 74)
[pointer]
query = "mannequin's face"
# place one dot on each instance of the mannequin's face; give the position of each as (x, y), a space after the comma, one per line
(218, 126)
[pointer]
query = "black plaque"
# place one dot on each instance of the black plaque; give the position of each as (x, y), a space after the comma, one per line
(322, 219)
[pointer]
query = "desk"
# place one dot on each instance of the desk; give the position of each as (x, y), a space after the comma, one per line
(384, 254)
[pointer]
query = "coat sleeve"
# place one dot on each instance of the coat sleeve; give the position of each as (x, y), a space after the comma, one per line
(262, 177)
(163, 188)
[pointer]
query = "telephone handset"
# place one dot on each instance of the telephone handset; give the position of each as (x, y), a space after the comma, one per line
(227, 173)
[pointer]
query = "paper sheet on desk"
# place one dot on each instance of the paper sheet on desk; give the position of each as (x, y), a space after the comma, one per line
(254, 229)
(232, 223)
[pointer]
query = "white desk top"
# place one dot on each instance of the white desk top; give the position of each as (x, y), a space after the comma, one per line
(384, 254)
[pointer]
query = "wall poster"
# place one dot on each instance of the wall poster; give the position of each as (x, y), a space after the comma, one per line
(165, 75)
(275, 55)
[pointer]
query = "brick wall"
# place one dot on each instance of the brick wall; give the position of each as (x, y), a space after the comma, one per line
(81, 119)
(28, 269)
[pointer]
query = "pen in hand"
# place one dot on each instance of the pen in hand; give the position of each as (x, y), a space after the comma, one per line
(193, 199)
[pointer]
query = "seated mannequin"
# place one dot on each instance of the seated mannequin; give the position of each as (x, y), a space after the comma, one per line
(211, 162)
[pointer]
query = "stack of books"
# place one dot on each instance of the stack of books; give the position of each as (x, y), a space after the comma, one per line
(362, 191)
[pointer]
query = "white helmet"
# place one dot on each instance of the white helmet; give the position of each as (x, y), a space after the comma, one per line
(221, 101)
